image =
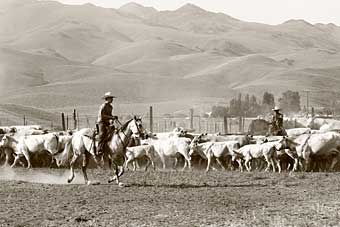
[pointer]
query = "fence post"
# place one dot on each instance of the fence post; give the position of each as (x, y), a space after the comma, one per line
(243, 124)
(199, 124)
(225, 124)
(240, 124)
(63, 121)
(74, 119)
(78, 120)
(67, 122)
(24, 120)
(191, 118)
(151, 119)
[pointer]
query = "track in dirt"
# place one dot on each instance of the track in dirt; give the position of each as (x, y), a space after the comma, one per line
(173, 198)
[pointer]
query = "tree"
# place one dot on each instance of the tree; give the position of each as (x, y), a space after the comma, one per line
(268, 99)
(219, 111)
(290, 101)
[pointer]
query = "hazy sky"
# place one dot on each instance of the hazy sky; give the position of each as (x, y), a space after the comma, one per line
(264, 11)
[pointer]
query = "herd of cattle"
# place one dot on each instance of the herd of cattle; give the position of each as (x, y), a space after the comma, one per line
(304, 149)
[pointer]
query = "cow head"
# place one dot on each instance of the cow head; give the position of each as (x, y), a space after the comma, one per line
(235, 155)
(193, 144)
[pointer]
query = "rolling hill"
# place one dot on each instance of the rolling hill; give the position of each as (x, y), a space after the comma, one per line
(56, 57)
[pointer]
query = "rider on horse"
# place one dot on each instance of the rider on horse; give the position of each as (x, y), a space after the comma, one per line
(105, 120)
(277, 128)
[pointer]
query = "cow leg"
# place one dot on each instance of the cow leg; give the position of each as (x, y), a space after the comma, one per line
(209, 162)
(16, 160)
(248, 164)
(129, 159)
(147, 164)
(240, 165)
(272, 163)
(220, 163)
(72, 162)
(278, 164)
(175, 163)
(268, 163)
(134, 165)
(86, 157)
(8, 154)
(296, 160)
(28, 158)
(162, 160)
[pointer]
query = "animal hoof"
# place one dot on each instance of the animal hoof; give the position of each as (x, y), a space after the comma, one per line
(120, 184)
(69, 181)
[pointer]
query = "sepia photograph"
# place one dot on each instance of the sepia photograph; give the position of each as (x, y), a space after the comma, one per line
(170, 113)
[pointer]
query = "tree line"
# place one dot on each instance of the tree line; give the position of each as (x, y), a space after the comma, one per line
(250, 106)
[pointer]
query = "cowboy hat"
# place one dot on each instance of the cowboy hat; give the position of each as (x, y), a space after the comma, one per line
(108, 95)
(276, 108)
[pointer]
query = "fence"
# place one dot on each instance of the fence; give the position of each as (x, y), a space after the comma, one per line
(152, 122)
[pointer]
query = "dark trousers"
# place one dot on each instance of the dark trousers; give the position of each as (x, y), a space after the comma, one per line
(103, 133)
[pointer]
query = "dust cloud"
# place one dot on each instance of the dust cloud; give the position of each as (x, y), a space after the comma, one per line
(42, 176)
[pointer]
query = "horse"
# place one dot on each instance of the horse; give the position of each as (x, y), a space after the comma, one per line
(84, 144)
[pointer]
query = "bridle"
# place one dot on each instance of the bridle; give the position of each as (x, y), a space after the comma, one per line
(121, 130)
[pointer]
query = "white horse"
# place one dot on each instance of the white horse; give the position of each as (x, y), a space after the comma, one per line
(84, 145)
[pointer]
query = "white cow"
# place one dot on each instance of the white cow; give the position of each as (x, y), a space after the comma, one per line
(265, 150)
(134, 153)
(171, 147)
(209, 150)
(295, 132)
(58, 147)
(319, 145)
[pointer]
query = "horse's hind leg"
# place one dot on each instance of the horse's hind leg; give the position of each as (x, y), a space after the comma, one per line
(73, 161)
(86, 157)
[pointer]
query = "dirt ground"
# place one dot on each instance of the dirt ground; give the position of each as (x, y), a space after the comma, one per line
(169, 198)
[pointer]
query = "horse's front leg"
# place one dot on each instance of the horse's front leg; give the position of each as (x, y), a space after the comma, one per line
(73, 161)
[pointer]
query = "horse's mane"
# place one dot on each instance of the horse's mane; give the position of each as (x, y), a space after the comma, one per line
(124, 126)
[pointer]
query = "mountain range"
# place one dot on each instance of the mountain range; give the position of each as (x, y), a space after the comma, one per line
(57, 57)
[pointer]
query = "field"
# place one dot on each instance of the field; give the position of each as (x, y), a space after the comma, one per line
(39, 197)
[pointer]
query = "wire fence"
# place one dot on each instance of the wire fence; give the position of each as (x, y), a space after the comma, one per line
(196, 124)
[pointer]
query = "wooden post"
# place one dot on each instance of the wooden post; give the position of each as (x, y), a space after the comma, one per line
(74, 119)
(24, 120)
(230, 124)
(191, 118)
(199, 124)
(151, 119)
(243, 124)
(240, 124)
(225, 124)
(78, 120)
(215, 127)
(165, 126)
(63, 121)
(67, 122)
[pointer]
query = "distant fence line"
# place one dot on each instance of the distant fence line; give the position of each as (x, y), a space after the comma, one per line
(151, 121)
